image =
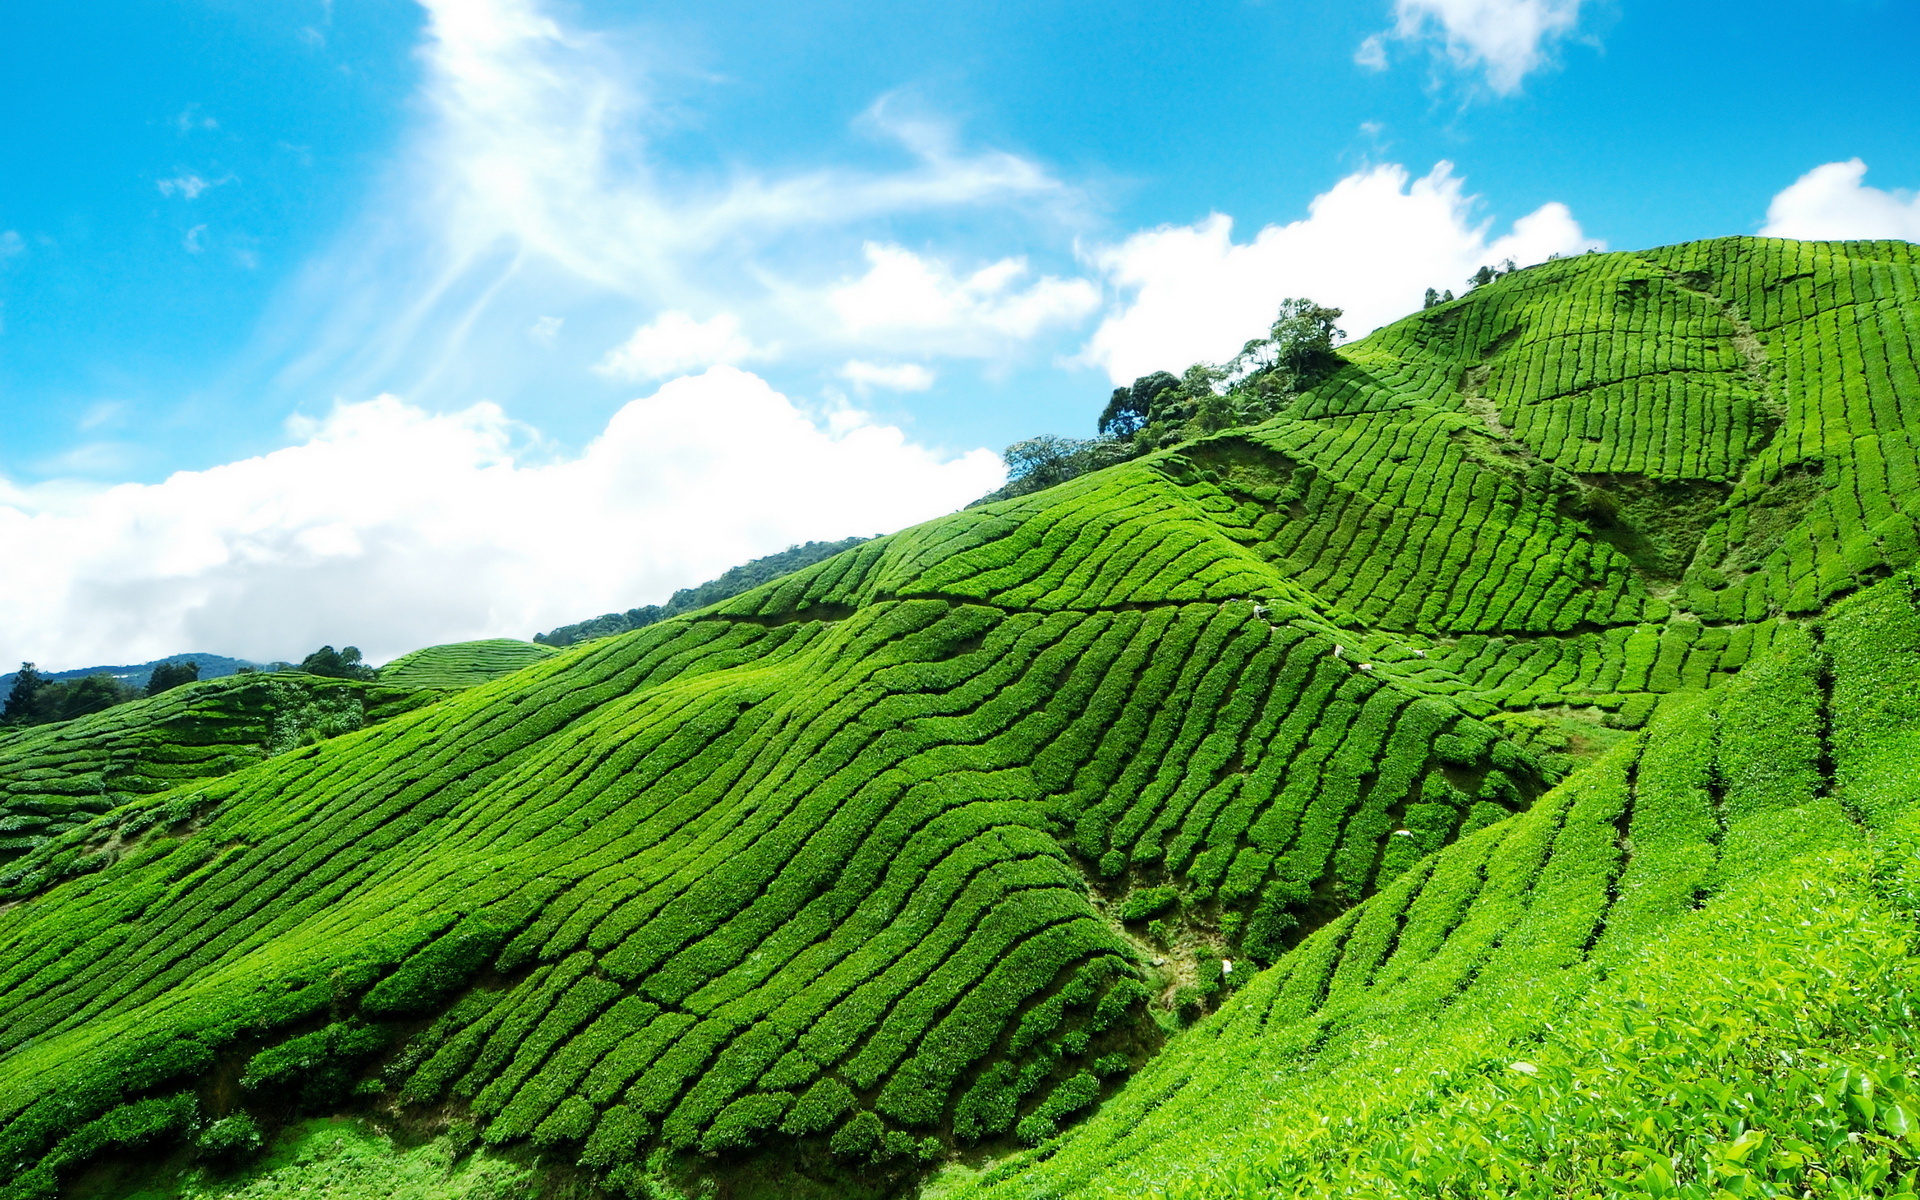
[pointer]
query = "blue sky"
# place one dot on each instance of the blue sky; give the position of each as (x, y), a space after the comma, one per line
(550, 260)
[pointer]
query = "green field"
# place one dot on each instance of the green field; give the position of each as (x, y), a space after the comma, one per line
(462, 664)
(1228, 822)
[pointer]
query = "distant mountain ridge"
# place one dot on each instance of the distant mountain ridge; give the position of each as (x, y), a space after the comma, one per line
(212, 666)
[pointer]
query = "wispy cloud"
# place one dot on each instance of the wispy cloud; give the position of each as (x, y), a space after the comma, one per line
(189, 186)
(192, 120)
(1502, 40)
(195, 241)
(534, 181)
(11, 243)
(99, 414)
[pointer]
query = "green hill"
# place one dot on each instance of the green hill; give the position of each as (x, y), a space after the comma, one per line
(58, 779)
(726, 587)
(943, 845)
(1697, 913)
(462, 664)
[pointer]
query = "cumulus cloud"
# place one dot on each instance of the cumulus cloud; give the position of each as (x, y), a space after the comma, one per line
(1505, 40)
(1372, 245)
(390, 527)
(676, 343)
(906, 299)
(895, 377)
(1833, 203)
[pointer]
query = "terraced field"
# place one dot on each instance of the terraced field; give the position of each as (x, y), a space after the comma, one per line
(927, 850)
(1724, 824)
(461, 664)
(57, 779)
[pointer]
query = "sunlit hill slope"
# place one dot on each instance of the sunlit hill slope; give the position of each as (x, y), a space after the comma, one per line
(1561, 621)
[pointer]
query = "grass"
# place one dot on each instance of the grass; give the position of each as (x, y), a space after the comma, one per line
(1562, 618)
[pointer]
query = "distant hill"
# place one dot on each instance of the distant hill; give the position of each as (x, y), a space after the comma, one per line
(1493, 774)
(212, 666)
(729, 585)
(462, 664)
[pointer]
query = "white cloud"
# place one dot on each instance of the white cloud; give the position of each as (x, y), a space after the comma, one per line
(676, 343)
(534, 182)
(906, 299)
(1505, 39)
(1372, 245)
(11, 243)
(897, 377)
(545, 330)
(537, 140)
(189, 186)
(193, 243)
(1833, 203)
(392, 528)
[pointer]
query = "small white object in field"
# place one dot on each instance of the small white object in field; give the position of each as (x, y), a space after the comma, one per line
(1226, 966)
(1366, 666)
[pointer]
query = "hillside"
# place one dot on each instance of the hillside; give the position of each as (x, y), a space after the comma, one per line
(59, 778)
(1714, 883)
(462, 664)
(729, 584)
(934, 848)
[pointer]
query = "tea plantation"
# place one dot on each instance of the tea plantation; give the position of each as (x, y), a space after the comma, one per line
(462, 664)
(1227, 822)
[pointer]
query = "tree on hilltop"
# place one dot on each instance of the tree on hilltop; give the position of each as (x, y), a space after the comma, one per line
(168, 676)
(23, 702)
(84, 697)
(1297, 351)
(1163, 409)
(37, 700)
(336, 664)
(1132, 409)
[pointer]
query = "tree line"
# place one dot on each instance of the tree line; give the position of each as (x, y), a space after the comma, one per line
(37, 699)
(1164, 409)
